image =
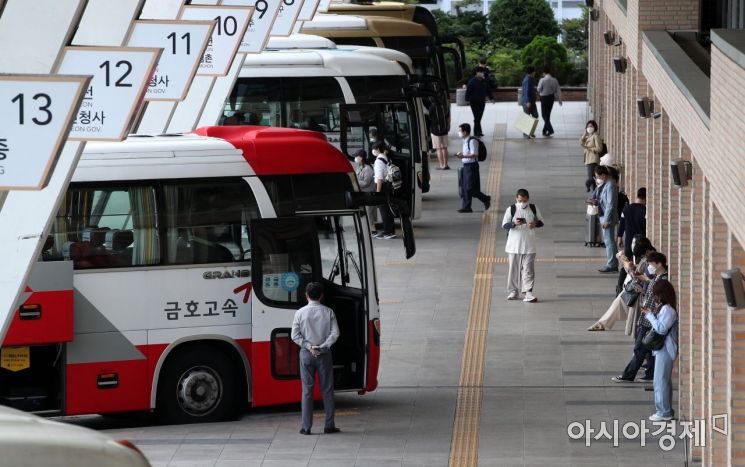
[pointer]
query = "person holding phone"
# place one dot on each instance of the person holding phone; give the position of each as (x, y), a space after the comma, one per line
(520, 220)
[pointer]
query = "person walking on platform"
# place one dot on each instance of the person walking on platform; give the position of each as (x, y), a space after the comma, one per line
(315, 330)
(520, 220)
(549, 92)
(529, 96)
(470, 177)
(476, 92)
(606, 195)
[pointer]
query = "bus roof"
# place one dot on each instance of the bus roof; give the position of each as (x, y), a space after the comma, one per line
(282, 151)
(408, 12)
(310, 41)
(317, 62)
(329, 25)
(211, 152)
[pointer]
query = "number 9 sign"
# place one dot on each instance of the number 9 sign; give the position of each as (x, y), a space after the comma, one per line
(260, 26)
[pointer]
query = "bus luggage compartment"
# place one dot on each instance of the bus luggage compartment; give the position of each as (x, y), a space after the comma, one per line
(45, 311)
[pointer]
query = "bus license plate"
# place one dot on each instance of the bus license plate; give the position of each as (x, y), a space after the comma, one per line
(15, 358)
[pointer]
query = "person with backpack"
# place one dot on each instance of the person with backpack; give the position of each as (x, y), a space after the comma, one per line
(471, 179)
(520, 220)
(383, 169)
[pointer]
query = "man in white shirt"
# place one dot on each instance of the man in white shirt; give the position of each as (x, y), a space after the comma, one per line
(549, 92)
(315, 330)
(521, 219)
(471, 179)
(380, 169)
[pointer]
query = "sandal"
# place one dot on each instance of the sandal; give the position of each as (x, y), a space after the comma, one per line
(596, 327)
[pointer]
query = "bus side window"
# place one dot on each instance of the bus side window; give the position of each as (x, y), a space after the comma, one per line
(312, 103)
(207, 221)
(105, 228)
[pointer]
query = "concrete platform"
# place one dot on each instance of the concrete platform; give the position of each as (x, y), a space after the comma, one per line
(542, 370)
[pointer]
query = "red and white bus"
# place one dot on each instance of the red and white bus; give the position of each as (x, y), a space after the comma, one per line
(173, 269)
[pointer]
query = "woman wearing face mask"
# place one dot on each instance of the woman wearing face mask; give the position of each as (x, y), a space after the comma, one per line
(664, 321)
(656, 271)
(592, 144)
(366, 180)
(640, 246)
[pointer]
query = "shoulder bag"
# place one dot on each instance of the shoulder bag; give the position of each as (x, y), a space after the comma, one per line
(654, 341)
(630, 295)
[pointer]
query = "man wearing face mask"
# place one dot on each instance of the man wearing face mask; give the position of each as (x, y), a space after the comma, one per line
(656, 271)
(520, 220)
(470, 172)
(606, 195)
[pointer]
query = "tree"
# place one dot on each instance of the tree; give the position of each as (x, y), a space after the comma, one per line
(544, 51)
(574, 32)
(520, 20)
(469, 25)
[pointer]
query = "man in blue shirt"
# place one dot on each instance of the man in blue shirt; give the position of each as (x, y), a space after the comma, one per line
(476, 92)
(529, 96)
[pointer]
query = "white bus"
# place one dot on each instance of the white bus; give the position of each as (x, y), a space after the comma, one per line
(343, 94)
(173, 269)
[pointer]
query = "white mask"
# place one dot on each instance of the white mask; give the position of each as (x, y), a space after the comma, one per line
(599, 181)
(375, 152)
(651, 270)
(590, 130)
(522, 204)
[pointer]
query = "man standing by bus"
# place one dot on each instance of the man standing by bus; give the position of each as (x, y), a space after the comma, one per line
(315, 330)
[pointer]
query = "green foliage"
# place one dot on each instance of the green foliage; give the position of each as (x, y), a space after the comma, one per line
(521, 20)
(503, 59)
(574, 33)
(470, 26)
(545, 51)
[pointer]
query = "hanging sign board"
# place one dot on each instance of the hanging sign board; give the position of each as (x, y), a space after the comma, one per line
(288, 13)
(231, 23)
(183, 44)
(308, 11)
(35, 116)
(260, 25)
(120, 78)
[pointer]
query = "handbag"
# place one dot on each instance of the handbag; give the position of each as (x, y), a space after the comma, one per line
(654, 341)
(630, 295)
(526, 123)
(592, 210)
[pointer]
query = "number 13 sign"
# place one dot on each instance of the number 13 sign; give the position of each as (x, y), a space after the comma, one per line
(35, 115)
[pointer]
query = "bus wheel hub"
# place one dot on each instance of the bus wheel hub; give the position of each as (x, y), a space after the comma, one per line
(199, 390)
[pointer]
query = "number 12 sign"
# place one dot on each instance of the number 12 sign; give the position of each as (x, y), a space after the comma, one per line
(120, 79)
(35, 116)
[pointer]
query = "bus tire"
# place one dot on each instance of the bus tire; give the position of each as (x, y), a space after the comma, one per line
(199, 384)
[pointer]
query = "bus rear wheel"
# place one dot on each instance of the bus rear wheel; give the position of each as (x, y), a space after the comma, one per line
(198, 385)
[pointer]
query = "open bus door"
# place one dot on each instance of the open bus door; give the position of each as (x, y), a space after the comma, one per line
(286, 254)
(454, 57)
(391, 121)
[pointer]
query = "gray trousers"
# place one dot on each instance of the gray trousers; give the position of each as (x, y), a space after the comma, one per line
(325, 368)
(521, 270)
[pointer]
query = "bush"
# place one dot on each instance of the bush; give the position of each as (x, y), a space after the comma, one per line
(545, 51)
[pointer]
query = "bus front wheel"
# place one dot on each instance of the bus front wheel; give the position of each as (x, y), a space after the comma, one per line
(198, 385)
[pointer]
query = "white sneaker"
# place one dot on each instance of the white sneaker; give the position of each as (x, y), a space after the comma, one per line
(529, 297)
(512, 296)
(656, 418)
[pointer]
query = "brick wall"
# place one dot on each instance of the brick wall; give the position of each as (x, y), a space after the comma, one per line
(699, 227)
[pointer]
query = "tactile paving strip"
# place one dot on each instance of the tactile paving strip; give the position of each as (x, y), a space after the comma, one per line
(464, 445)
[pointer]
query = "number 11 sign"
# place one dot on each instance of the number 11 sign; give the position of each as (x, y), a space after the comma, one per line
(35, 115)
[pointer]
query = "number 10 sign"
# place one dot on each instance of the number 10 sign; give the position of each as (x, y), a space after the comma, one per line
(35, 115)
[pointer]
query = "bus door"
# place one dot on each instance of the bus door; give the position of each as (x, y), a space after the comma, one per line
(454, 60)
(392, 123)
(287, 253)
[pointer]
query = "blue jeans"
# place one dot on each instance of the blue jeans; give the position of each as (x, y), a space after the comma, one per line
(663, 385)
(609, 238)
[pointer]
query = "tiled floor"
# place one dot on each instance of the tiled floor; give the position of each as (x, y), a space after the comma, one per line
(543, 370)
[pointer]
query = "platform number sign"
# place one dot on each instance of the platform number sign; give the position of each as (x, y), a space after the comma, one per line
(231, 23)
(120, 78)
(260, 25)
(183, 44)
(35, 115)
(308, 11)
(288, 13)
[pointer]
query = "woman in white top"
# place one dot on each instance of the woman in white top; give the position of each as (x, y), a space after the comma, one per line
(366, 180)
(665, 322)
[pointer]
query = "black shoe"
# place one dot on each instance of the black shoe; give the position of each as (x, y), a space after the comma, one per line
(447, 167)
(607, 270)
(487, 203)
(303, 431)
(330, 431)
(465, 210)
